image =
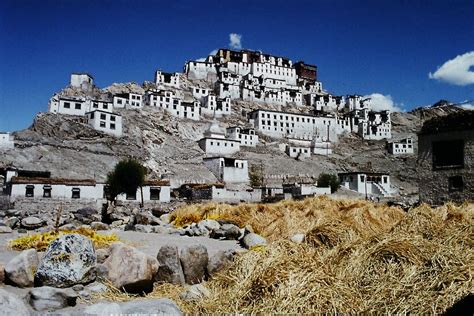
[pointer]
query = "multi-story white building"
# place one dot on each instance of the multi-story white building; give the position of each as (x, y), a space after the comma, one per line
(211, 105)
(246, 136)
(128, 100)
(298, 148)
(374, 125)
(325, 103)
(167, 79)
(368, 183)
(107, 122)
(228, 170)
(7, 141)
(201, 70)
(215, 142)
(68, 105)
(401, 147)
(200, 93)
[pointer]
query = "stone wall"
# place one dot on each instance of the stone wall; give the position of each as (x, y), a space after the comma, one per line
(434, 184)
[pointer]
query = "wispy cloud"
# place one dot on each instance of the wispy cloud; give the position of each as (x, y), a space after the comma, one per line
(456, 71)
(235, 41)
(213, 52)
(381, 102)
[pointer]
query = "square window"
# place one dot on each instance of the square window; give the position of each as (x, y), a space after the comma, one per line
(47, 191)
(76, 193)
(103, 117)
(112, 118)
(155, 193)
(131, 196)
(102, 124)
(30, 191)
(456, 184)
(78, 106)
(67, 105)
(112, 126)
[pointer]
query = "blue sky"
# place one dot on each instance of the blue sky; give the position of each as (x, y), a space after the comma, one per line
(364, 47)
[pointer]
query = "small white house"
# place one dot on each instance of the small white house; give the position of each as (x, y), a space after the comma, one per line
(215, 142)
(246, 136)
(200, 93)
(228, 170)
(153, 191)
(102, 105)
(368, 183)
(81, 80)
(7, 141)
(68, 105)
(402, 147)
(109, 123)
(169, 79)
(128, 100)
(213, 106)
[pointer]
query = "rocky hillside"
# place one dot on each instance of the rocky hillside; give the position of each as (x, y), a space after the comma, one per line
(68, 147)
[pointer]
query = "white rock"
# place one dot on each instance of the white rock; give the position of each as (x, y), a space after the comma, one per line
(160, 306)
(253, 240)
(10, 305)
(48, 298)
(103, 309)
(195, 292)
(21, 269)
(297, 238)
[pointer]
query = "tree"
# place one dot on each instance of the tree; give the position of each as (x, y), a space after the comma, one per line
(256, 175)
(127, 176)
(329, 180)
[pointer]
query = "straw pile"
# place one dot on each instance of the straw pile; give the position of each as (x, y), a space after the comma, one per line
(358, 257)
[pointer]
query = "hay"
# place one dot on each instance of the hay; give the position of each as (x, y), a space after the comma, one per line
(41, 241)
(358, 257)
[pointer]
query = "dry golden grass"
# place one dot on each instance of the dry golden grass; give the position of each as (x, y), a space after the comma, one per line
(41, 241)
(358, 257)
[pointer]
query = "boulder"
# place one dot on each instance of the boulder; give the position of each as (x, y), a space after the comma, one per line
(199, 231)
(297, 238)
(103, 309)
(67, 227)
(195, 292)
(146, 218)
(227, 231)
(194, 260)
(161, 230)
(68, 260)
(253, 240)
(157, 306)
(169, 269)
(5, 229)
(10, 304)
(87, 215)
(48, 298)
(99, 226)
(21, 269)
(219, 260)
(130, 269)
(96, 288)
(209, 224)
(143, 228)
(11, 222)
(101, 271)
(13, 212)
(165, 218)
(31, 222)
(102, 254)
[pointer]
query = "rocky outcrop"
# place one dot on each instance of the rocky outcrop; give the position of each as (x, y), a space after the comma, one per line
(69, 260)
(49, 298)
(170, 270)
(10, 304)
(103, 309)
(21, 270)
(130, 269)
(194, 260)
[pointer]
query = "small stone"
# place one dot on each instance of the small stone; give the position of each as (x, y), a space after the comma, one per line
(12, 222)
(10, 304)
(97, 288)
(161, 230)
(297, 238)
(227, 231)
(157, 306)
(209, 224)
(195, 292)
(194, 260)
(99, 226)
(48, 298)
(67, 227)
(31, 222)
(253, 240)
(143, 228)
(101, 271)
(78, 287)
(21, 269)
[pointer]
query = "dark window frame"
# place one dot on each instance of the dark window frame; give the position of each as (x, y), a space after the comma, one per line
(448, 154)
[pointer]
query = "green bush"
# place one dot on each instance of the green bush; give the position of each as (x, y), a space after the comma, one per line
(329, 180)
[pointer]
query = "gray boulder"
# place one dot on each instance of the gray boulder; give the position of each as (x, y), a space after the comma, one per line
(169, 269)
(103, 309)
(195, 292)
(11, 222)
(130, 269)
(194, 260)
(161, 230)
(99, 226)
(21, 269)
(10, 304)
(87, 215)
(209, 224)
(69, 260)
(143, 228)
(253, 240)
(96, 288)
(158, 306)
(227, 231)
(219, 260)
(32, 222)
(102, 254)
(49, 298)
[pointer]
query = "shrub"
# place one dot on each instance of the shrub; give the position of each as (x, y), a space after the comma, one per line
(329, 180)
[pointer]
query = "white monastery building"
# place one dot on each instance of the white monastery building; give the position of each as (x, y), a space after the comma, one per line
(246, 136)
(228, 170)
(215, 142)
(107, 122)
(368, 183)
(401, 147)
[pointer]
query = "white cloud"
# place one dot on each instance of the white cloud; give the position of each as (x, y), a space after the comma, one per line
(213, 52)
(382, 102)
(468, 105)
(235, 41)
(456, 71)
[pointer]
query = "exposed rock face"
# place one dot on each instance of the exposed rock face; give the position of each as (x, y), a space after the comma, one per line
(219, 260)
(253, 240)
(194, 260)
(159, 306)
(21, 269)
(69, 260)
(49, 298)
(32, 222)
(130, 269)
(10, 304)
(170, 270)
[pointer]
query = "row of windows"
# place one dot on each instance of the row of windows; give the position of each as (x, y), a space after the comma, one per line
(103, 116)
(77, 106)
(292, 118)
(104, 125)
(224, 143)
(76, 193)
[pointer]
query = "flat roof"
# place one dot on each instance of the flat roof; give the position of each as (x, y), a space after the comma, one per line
(42, 180)
(291, 113)
(363, 172)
